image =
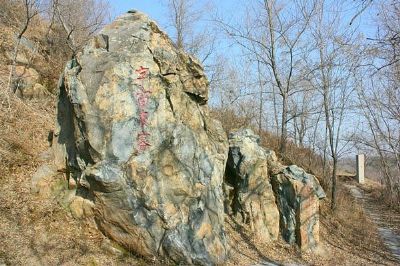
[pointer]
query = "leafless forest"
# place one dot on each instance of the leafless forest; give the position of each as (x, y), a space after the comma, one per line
(308, 74)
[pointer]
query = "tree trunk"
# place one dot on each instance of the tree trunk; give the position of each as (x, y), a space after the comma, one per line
(261, 98)
(14, 62)
(334, 176)
(325, 164)
(276, 119)
(15, 55)
(282, 148)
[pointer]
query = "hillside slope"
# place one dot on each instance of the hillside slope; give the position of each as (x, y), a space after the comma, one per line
(39, 231)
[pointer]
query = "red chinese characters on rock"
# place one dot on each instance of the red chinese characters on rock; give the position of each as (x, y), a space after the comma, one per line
(143, 99)
(142, 140)
(142, 72)
(143, 118)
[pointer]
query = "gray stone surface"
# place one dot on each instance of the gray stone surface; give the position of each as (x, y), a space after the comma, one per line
(134, 128)
(44, 171)
(268, 196)
(252, 200)
(298, 195)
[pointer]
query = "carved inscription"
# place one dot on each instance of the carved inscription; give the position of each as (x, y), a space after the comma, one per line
(142, 95)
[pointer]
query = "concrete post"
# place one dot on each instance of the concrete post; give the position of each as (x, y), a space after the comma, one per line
(360, 168)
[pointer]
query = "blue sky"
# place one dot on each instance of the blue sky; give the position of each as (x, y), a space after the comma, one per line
(157, 10)
(233, 10)
(154, 8)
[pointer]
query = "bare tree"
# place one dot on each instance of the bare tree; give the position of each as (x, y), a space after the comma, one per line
(303, 108)
(233, 102)
(382, 114)
(31, 9)
(362, 6)
(331, 74)
(274, 33)
(182, 17)
(387, 41)
(380, 98)
(185, 17)
(80, 20)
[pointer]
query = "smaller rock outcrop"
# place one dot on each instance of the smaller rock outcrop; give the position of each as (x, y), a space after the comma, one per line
(269, 196)
(298, 195)
(252, 197)
(27, 83)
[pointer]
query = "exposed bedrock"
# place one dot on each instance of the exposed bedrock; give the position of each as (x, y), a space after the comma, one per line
(135, 130)
(250, 194)
(268, 196)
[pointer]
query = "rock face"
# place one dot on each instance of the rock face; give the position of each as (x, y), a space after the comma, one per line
(269, 196)
(252, 197)
(137, 138)
(298, 196)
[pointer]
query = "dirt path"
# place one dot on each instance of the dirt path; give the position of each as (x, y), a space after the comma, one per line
(387, 222)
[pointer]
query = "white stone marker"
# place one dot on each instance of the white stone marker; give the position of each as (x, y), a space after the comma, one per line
(360, 168)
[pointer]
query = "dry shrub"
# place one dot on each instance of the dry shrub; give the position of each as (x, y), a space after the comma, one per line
(230, 120)
(24, 126)
(301, 156)
(349, 228)
(378, 193)
(45, 50)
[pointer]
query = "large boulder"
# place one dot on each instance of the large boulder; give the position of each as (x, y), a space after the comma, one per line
(252, 199)
(135, 131)
(298, 195)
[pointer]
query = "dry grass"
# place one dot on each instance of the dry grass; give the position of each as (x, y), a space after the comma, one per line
(246, 250)
(24, 129)
(349, 234)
